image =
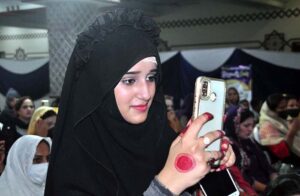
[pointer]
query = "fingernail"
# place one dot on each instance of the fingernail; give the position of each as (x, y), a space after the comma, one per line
(224, 147)
(222, 167)
(222, 133)
(208, 115)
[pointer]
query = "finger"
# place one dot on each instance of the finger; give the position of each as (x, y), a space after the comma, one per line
(196, 125)
(231, 159)
(225, 144)
(209, 137)
(211, 156)
(225, 158)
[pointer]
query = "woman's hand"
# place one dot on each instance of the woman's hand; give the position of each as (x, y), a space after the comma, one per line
(229, 157)
(188, 162)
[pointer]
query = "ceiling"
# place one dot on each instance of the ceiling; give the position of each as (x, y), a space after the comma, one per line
(32, 13)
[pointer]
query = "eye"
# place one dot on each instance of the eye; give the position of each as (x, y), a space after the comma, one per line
(37, 160)
(128, 81)
(152, 77)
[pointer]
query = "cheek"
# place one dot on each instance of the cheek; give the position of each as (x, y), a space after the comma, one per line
(152, 90)
(122, 97)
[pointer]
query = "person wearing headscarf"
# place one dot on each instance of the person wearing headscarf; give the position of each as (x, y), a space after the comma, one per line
(232, 97)
(280, 137)
(26, 168)
(18, 127)
(250, 158)
(24, 109)
(112, 135)
(8, 114)
(42, 122)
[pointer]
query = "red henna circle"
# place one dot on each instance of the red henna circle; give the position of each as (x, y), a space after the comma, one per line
(184, 162)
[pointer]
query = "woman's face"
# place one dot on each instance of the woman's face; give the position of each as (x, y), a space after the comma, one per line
(135, 91)
(42, 153)
(292, 104)
(232, 96)
(281, 106)
(26, 110)
(245, 128)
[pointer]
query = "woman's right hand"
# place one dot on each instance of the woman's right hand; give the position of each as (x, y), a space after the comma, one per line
(188, 162)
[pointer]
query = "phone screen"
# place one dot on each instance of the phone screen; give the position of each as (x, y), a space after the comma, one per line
(218, 184)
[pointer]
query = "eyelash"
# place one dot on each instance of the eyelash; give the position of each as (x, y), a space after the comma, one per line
(131, 81)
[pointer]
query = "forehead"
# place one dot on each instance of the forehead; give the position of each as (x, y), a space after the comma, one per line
(42, 148)
(282, 104)
(27, 102)
(248, 120)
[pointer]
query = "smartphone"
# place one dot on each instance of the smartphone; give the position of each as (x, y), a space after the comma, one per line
(209, 96)
(219, 184)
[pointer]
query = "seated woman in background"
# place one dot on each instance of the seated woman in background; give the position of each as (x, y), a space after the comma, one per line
(42, 122)
(250, 159)
(26, 168)
(24, 109)
(232, 97)
(279, 136)
(12, 131)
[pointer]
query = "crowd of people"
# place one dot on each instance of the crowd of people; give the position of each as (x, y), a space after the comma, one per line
(265, 139)
(115, 134)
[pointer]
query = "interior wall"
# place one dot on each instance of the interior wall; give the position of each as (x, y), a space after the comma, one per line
(210, 25)
(34, 42)
(205, 24)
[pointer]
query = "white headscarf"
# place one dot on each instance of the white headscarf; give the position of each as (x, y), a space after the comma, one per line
(270, 138)
(14, 180)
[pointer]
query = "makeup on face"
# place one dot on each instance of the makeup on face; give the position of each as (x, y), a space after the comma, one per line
(135, 91)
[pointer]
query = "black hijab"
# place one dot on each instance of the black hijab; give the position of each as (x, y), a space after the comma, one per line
(95, 151)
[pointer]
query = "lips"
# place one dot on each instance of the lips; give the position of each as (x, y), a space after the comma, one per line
(141, 108)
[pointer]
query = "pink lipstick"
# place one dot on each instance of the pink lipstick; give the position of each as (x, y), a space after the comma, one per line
(141, 108)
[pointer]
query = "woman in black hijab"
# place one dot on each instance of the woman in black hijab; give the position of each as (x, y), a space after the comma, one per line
(103, 146)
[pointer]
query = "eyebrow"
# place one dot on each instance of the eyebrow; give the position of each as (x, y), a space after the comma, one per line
(136, 72)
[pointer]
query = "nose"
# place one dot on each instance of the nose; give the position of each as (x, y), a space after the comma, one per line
(144, 90)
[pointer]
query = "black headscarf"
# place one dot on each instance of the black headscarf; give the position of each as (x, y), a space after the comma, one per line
(95, 151)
